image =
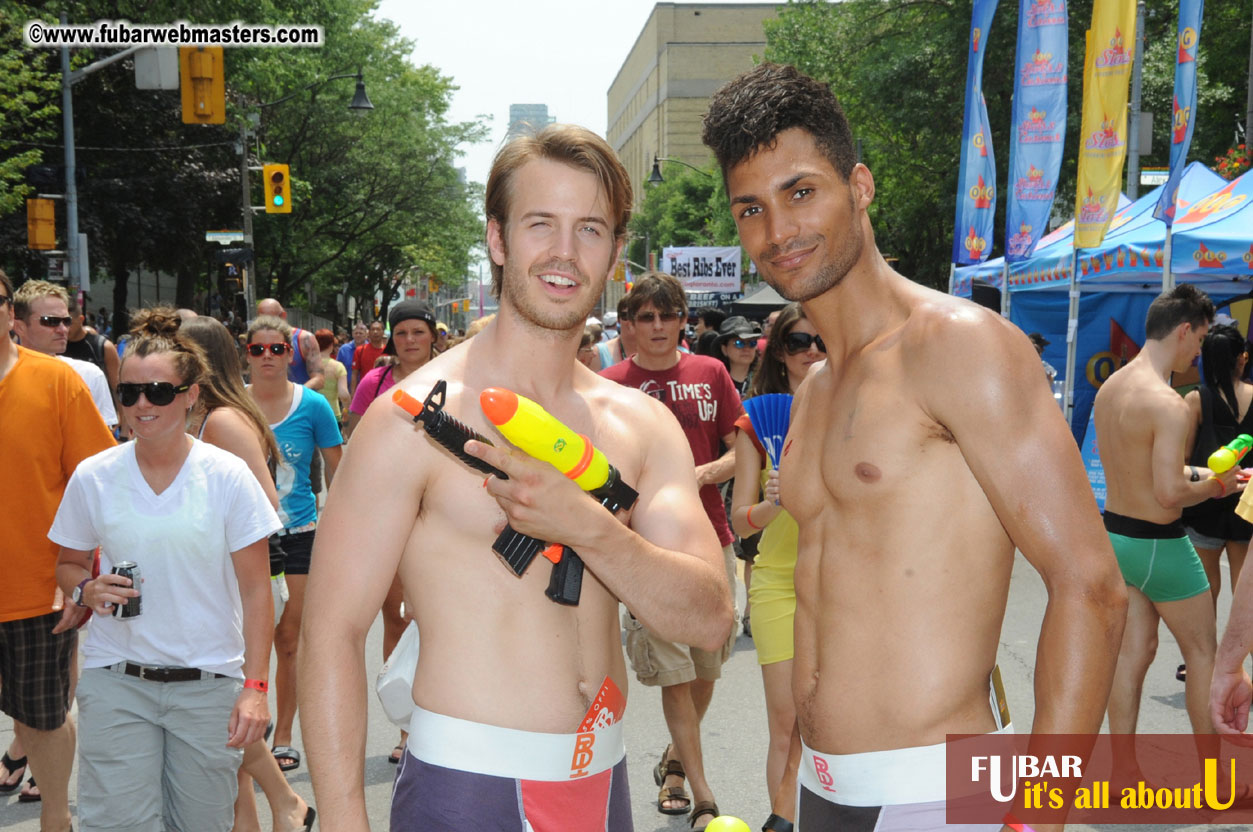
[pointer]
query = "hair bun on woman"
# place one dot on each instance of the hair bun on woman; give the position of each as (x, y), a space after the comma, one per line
(159, 321)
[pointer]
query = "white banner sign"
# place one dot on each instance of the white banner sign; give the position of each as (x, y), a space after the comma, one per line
(704, 268)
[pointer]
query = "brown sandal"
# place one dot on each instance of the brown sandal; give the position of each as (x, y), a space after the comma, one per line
(670, 768)
(703, 807)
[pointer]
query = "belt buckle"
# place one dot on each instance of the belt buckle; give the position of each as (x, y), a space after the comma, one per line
(151, 674)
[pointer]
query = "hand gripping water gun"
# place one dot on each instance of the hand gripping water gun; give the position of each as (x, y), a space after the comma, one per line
(1229, 455)
(516, 550)
(541, 436)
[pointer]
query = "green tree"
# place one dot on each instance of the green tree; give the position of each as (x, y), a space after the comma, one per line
(687, 208)
(28, 109)
(375, 197)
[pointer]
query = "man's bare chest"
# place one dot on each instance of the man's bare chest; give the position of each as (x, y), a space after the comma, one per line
(860, 438)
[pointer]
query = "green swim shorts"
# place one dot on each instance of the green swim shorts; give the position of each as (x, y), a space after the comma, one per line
(1159, 560)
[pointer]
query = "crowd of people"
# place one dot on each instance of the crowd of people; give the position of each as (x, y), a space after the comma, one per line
(151, 509)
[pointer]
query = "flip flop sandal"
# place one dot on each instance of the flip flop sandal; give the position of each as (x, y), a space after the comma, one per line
(286, 752)
(703, 807)
(13, 767)
(1182, 673)
(397, 753)
(29, 798)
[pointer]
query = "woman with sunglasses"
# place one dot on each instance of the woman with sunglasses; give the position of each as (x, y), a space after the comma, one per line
(412, 344)
(792, 348)
(737, 349)
(304, 425)
(170, 695)
(226, 416)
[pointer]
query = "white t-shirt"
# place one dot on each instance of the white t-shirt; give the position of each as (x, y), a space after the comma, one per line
(98, 385)
(182, 540)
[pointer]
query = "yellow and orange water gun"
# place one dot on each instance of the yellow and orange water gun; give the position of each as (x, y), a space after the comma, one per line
(541, 436)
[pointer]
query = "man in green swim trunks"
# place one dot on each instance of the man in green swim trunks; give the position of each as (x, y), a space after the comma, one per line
(1142, 429)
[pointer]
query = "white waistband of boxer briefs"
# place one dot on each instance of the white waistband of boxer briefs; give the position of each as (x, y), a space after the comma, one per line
(880, 778)
(507, 752)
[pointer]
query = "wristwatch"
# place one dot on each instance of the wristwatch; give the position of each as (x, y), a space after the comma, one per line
(77, 595)
(1195, 476)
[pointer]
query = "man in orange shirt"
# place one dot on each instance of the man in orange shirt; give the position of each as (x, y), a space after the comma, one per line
(50, 425)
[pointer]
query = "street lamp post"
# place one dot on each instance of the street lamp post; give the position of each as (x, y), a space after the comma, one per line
(655, 178)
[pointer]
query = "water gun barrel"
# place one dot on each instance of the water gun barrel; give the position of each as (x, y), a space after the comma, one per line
(1229, 455)
(543, 437)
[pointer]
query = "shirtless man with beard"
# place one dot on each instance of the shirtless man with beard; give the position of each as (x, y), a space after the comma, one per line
(924, 451)
(506, 676)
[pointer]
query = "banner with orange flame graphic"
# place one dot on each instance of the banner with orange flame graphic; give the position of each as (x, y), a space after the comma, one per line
(1103, 132)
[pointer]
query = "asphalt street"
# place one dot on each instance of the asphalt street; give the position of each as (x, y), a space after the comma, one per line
(734, 733)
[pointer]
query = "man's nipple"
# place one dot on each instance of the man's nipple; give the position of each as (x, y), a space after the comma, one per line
(867, 473)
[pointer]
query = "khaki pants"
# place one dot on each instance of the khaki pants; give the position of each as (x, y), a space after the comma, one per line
(152, 755)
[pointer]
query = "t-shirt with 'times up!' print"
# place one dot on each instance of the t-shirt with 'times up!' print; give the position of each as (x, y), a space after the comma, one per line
(699, 392)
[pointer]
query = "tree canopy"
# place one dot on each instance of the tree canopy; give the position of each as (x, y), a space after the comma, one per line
(376, 197)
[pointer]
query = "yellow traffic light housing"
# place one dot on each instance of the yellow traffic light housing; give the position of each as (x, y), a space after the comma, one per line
(41, 225)
(277, 179)
(202, 82)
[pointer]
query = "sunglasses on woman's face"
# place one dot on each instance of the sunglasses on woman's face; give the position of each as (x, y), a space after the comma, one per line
(796, 342)
(158, 393)
(742, 343)
(258, 350)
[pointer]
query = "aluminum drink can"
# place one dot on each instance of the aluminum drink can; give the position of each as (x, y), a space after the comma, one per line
(133, 606)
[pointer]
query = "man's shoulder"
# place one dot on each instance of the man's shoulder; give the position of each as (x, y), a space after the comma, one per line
(945, 334)
(41, 368)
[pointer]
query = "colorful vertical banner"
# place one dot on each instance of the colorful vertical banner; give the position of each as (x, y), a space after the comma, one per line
(1035, 149)
(1103, 132)
(976, 178)
(1184, 109)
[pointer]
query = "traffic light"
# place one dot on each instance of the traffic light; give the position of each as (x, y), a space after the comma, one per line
(277, 180)
(432, 284)
(202, 83)
(41, 225)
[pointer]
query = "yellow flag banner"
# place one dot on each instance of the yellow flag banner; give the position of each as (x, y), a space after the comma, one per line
(1103, 132)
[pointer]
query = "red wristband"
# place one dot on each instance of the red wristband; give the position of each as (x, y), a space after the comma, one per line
(1222, 488)
(749, 518)
(257, 684)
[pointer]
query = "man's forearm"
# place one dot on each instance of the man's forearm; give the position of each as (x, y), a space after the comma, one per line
(1235, 642)
(332, 688)
(718, 471)
(1075, 658)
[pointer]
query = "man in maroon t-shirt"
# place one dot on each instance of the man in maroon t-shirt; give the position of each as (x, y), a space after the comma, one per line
(701, 395)
(365, 355)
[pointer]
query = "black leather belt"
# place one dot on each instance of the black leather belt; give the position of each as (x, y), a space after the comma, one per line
(165, 674)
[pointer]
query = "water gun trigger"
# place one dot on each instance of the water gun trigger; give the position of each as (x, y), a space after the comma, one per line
(553, 552)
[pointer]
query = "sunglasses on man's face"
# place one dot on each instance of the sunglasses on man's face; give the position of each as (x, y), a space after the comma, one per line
(53, 321)
(158, 393)
(647, 318)
(258, 350)
(797, 342)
